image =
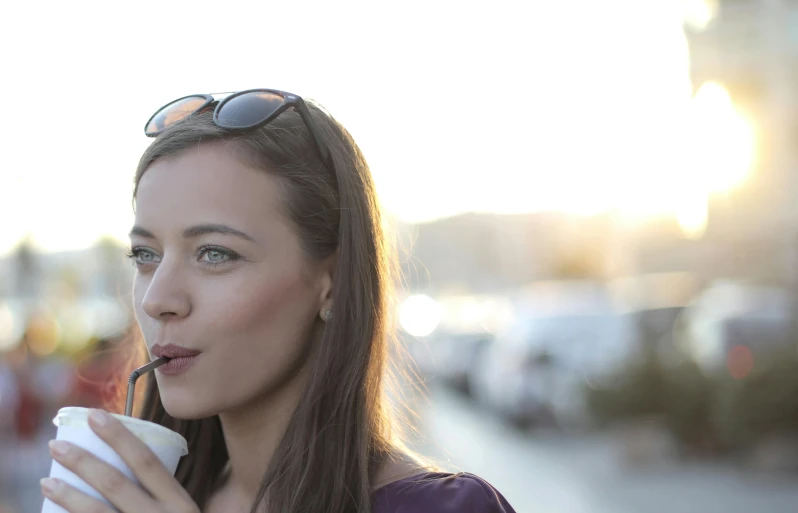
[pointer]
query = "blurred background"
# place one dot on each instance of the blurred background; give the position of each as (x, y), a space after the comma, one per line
(596, 205)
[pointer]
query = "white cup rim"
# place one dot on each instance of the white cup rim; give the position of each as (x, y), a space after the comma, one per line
(78, 416)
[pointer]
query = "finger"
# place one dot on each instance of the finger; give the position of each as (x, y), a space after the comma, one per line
(144, 464)
(71, 499)
(104, 478)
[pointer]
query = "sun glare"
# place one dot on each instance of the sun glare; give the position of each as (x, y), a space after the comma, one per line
(692, 215)
(722, 140)
(699, 13)
(718, 155)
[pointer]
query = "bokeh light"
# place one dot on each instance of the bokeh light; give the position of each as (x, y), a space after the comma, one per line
(43, 334)
(419, 315)
(740, 362)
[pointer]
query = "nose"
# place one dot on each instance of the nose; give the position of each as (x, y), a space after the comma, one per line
(166, 296)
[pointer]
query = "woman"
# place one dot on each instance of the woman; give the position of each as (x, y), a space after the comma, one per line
(264, 273)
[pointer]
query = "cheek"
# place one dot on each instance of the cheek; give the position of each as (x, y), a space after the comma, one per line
(265, 333)
(266, 304)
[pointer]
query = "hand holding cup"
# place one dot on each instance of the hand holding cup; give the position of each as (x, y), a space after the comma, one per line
(93, 481)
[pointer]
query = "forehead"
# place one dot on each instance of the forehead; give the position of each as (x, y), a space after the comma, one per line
(206, 184)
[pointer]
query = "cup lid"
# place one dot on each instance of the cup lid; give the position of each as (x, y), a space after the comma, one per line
(149, 432)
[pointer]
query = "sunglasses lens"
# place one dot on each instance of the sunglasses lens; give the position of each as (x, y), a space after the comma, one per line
(248, 109)
(174, 112)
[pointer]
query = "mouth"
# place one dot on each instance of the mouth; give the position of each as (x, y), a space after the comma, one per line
(176, 366)
(172, 351)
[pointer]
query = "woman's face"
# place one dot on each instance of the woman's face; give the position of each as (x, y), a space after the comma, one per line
(221, 271)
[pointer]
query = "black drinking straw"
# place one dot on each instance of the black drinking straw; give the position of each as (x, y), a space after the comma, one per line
(131, 382)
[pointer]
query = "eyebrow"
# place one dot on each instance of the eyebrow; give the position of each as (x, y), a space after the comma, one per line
(196, 231)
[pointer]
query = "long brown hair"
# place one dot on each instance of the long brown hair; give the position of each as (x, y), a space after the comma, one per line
(341, 431)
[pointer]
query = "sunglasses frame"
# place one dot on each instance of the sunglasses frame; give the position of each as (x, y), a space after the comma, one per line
(290, 100)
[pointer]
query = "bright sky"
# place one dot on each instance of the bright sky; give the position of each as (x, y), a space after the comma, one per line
(501, 106)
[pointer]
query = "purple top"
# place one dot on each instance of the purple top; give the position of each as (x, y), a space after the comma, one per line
(436, 492)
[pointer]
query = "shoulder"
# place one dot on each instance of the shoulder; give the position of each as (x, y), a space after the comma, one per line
(440, 493)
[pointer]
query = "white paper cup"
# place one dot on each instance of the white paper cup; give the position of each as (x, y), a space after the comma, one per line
(73, 426)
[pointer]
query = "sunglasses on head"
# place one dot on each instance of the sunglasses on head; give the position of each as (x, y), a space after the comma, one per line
(243, 110)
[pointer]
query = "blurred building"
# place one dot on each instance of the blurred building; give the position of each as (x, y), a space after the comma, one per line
(491, 253)
(750, 47)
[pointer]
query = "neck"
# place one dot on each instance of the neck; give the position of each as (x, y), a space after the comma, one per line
(252, 434)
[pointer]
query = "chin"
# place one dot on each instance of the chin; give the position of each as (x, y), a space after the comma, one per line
(183, 411)
(186, 407)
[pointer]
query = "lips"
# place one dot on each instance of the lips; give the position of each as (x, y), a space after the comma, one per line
(173, 351)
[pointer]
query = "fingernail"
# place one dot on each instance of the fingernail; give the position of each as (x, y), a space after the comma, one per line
(49, 486)
(59, 447)
(98, 417)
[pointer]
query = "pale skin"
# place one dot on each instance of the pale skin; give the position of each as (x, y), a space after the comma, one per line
(248, 299)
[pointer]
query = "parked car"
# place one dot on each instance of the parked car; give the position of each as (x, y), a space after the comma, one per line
(730, 316)
(567, 334)
(456, 355)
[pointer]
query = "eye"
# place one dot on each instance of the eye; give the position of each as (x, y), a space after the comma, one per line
(214, 255)
(142, 256)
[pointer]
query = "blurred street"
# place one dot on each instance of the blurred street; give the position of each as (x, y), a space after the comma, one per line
(550, 473)
(540, 473)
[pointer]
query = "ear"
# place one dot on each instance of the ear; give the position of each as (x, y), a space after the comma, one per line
(325, 281)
